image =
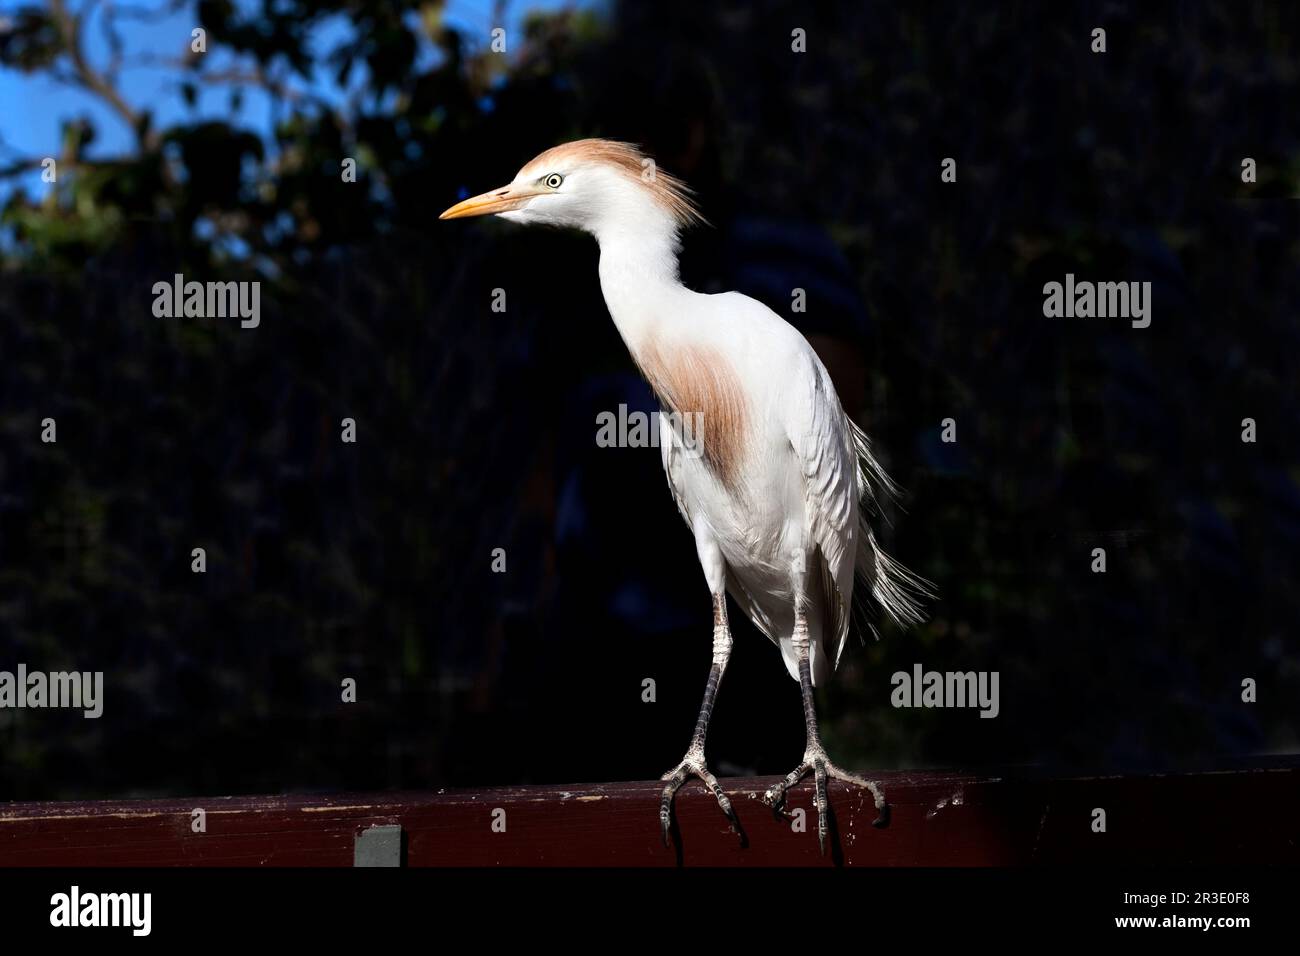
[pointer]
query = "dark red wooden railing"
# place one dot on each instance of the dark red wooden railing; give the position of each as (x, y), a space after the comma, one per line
(938, 819)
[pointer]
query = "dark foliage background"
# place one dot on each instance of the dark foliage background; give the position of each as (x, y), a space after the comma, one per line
(476, 429)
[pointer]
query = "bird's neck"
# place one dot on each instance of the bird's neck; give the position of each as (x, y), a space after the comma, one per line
(638, 276)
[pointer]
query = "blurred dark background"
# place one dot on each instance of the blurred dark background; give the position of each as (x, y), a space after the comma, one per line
(476, 430)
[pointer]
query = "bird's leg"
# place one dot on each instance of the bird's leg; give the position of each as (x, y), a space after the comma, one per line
(693, 764)
(815, 760)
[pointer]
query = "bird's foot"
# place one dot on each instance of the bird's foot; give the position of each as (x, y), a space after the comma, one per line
(692, 765)
(819, 765)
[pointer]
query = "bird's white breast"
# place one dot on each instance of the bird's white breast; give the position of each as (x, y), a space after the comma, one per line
(735, 367)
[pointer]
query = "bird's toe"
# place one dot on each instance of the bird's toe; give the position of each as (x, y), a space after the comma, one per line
(694, 765)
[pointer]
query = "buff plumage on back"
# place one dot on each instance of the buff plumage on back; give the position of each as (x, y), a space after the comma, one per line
(668, 191)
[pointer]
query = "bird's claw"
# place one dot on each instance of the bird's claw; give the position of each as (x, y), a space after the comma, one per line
(775, 798)
(822, 769)
(693, 765)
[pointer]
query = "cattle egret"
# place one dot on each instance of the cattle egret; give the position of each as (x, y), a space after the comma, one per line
(781, 487)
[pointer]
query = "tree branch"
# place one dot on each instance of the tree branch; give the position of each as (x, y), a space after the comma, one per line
(69, 27)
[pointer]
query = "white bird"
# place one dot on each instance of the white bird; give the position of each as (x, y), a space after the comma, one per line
(779, 484)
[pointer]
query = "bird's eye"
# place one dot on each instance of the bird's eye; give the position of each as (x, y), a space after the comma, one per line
(553, 181)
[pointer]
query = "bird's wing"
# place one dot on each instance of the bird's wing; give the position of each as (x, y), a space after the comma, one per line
(822, 438)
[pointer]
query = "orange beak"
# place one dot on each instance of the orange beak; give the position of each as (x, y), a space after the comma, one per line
(489, 203)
